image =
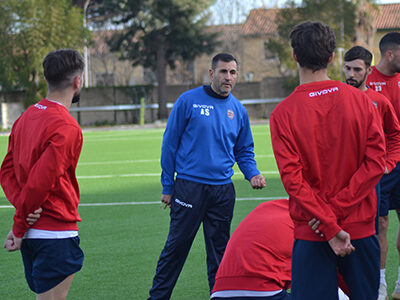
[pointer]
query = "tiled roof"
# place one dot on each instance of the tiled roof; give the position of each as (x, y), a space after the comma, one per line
(263, 21)
(225, 31)
(260, 21)
(387, 16)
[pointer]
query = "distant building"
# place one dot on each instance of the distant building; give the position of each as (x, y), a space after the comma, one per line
(247, 41)
(385, 19)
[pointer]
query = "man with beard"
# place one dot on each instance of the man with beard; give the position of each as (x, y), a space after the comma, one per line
(385, 79)
(38, 175)
(357, 66)
(207, 132)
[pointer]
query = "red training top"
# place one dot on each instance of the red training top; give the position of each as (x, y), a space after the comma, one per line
(391, 127)
(258, 255)
(389, 86)
(330, 150)
(39, 168)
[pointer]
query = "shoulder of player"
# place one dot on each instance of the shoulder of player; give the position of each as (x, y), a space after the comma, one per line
(378, 97)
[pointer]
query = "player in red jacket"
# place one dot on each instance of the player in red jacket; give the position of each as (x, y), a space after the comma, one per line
(357, 66)
(330, 150)
(257, 260)
(38, 175)
(385, 79)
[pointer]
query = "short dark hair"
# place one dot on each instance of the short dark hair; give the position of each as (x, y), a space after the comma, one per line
(225, 57)
(61, 66)
(313, 43)
(389, 41)
(358, 52)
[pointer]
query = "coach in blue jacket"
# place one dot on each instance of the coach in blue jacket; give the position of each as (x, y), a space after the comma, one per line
(207, 132)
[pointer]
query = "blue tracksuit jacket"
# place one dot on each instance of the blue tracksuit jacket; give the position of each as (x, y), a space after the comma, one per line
(203, 139)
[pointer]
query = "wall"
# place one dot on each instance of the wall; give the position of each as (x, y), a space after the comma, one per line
(11, 108)
(108, 96)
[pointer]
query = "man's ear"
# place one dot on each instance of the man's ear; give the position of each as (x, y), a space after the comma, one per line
(211, 74)
(294, 56)
(389, 55)
(369, 70)
(331, 58)
(77, 81)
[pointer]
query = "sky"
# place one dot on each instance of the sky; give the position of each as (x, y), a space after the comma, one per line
(236, 11)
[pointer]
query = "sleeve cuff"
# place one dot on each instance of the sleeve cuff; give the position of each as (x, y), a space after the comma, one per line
(249, 176)
(167, 189)
(18, 231)
(329, 230)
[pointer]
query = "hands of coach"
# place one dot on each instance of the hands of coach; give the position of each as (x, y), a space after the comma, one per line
(166, 199)
(257, 182)
(340, 243)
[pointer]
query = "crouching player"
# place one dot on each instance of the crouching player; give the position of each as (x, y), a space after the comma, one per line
(38, 178)
(258, 257)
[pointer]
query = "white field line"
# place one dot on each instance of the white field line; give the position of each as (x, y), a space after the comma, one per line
(159, 202)
(120, 139)
(106, 176)
(128, 137)
(116, 162)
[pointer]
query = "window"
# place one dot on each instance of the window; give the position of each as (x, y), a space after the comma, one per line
(268, 54)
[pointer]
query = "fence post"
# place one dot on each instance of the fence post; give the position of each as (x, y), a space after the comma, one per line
(142, 106)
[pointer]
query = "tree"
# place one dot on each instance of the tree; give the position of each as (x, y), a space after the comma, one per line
(29, 29)
(340, 15)
(155, 33)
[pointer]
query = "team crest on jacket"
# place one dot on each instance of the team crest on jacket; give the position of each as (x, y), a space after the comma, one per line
(398, 84)
(231, 114)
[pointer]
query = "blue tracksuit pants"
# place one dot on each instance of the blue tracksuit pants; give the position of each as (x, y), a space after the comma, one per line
(193, 203)
(315, 267)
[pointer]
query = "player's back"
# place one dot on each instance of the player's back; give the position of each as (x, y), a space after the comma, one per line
(258, 254)
(329, 122)
(320, 133)
(33, 130)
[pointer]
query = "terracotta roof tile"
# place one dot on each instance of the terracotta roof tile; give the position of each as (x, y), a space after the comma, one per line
(260, 21)
(225, 31)
(387, 16)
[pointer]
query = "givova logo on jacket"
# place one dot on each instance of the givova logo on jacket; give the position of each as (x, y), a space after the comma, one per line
(230, 114)
(378, 85)
(203, 108)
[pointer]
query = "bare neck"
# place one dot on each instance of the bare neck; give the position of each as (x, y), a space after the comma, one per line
(363, 86)
(384, 67)
(64, 98)
(307, 75)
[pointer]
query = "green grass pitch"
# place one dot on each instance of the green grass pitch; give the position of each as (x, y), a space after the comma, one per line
(122, 242)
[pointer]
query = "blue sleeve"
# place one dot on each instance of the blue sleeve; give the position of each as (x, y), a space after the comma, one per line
(173, 132)
(244, 149)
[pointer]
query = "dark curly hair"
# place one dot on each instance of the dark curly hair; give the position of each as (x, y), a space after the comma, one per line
(313, 43)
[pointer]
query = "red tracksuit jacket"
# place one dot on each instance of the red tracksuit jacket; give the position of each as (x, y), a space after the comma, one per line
(330, 150)
(39, 168)
(258, 256)
(389, 86)
(390, 125)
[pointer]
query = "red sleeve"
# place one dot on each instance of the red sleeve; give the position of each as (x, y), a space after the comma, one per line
(391, 128)
(55, 159)
(369, 172)
(296, 186)
(8, 180)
